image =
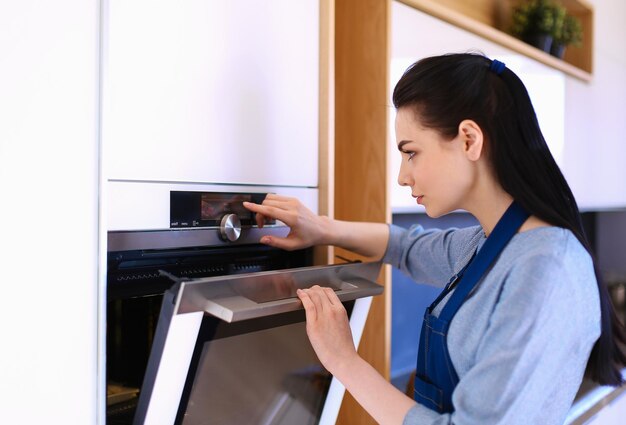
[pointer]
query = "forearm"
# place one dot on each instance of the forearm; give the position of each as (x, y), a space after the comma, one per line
(384, 402)
(367, 239)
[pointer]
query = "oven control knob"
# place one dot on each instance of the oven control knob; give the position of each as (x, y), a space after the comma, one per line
(230, 228)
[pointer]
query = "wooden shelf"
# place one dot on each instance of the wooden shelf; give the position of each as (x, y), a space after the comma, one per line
(490, 18)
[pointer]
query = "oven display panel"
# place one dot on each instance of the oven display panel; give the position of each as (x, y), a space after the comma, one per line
(206, 209)
(213, 206)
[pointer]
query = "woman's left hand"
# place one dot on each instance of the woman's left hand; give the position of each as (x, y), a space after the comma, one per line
(328, 327)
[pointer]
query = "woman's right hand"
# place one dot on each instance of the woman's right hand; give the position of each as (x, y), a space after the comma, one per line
(306, 228)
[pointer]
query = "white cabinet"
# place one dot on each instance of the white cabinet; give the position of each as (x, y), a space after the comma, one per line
(212, 91)
(49, 184)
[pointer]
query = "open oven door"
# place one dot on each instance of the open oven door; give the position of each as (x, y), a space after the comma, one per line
(233, 349)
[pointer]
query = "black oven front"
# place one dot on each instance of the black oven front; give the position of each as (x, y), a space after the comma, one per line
(137, 280)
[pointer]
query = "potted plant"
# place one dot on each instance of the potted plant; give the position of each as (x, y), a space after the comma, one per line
(570, 32)
(536, 22)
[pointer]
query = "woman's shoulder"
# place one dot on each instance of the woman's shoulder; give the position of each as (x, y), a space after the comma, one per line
(548, 242)
(548, 267)
(550, 259)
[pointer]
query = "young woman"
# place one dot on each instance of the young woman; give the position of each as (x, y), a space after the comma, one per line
(523, 313)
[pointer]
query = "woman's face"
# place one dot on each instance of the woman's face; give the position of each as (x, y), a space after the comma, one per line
(437, 170)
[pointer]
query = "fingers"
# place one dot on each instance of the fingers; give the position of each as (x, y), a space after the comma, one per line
(272, 200)
(268, 211)
(319, 298)
(259, 217)
(309, 306)
(276, 197)
(333, 299)
(281, 243)
(313, 300)
(276, 203)
(281, 208)
(322, 298)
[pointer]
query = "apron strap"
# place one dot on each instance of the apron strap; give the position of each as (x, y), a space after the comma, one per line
(506, 228)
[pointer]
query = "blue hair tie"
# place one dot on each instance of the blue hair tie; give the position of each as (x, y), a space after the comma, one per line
(497, 66)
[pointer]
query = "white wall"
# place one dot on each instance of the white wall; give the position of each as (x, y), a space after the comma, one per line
(583, 122)
(48, 211)
(595, 120)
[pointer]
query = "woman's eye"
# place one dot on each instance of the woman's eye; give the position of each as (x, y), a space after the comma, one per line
(411, 155)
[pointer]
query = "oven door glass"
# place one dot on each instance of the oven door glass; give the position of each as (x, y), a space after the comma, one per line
(256, 368)
(260, 373)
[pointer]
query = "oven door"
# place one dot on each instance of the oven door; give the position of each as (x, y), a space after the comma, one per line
(234, 349)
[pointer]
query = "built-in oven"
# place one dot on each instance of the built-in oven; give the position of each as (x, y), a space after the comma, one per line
(203, 322)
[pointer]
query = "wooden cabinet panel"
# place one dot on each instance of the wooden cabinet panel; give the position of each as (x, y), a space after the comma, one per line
(361, 102)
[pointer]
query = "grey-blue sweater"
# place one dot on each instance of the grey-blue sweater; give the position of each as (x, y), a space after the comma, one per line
(521, 341)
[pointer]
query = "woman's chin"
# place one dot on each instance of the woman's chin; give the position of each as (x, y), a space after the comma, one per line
(435, 212)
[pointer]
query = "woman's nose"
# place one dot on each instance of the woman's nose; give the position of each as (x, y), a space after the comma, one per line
(404, 178)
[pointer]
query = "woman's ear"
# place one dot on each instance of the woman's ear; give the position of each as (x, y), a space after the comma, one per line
(472, 137)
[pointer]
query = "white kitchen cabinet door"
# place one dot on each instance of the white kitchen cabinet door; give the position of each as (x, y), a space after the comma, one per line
(211, 91)
(52, 356)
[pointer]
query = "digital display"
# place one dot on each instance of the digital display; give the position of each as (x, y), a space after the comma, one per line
(206, 209)
(213, 206)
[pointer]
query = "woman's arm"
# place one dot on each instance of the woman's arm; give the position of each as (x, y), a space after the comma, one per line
(308, 228)
(384, 402)
(329, 332)
(367, 239)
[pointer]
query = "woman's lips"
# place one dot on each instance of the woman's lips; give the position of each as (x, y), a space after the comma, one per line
(419, 198)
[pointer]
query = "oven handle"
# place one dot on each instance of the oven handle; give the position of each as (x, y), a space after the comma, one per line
(234, 298)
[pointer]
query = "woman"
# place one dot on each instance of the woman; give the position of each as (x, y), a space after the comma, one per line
(523, 313)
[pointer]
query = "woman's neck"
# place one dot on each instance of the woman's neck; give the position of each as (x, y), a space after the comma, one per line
(488, 201)
(490, 209)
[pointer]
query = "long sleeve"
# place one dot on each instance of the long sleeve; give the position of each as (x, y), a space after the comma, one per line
(431, 256)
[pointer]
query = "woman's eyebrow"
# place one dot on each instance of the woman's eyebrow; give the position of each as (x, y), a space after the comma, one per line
(402, 143)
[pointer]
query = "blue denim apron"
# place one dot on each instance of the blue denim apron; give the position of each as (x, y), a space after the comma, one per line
(435, 377)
